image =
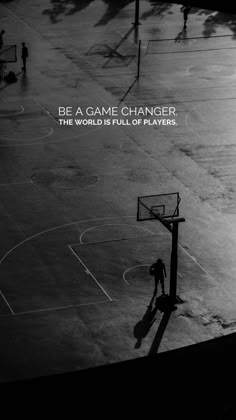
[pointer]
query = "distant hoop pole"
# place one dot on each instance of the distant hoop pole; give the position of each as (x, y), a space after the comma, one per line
(136, 21)
(174, 260)
(2, 66)
(139, 56)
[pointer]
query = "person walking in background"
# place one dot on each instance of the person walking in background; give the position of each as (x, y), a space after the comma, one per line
(24, 55)
(158, 270)
(1, 37)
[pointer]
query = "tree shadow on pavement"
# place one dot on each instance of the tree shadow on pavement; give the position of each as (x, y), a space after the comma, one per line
(113, 8)
(219, 19)
(70, 7)
(181, 36)
(60, 8)
(66, 8)
(158, 9)
(213, 20)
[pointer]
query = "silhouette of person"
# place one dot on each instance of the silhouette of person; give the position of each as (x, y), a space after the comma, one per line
(158, 270)
(1, 37)
(24, 55)
(185, 10)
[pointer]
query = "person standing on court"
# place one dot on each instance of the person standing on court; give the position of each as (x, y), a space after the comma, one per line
(1, 37)
(24, 55)
(158, 270)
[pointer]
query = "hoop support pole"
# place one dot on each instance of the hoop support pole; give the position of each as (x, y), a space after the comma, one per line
(174, 260)
(136, 21)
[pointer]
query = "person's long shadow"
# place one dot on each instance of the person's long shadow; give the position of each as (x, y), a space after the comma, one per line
(164, 305)
(24, 82)
(143, 327)
(182, 35)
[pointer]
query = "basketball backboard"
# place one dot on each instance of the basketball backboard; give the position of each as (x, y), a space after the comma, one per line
(164, 207)
(8, 54)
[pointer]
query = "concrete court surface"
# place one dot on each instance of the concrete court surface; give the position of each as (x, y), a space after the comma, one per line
(74, 281)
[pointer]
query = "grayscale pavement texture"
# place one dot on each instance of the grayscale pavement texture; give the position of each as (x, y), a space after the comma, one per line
(74, 280)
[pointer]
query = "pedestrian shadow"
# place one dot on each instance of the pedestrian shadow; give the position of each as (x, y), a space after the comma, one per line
(182, 35)
(143, 327)
(24, 81)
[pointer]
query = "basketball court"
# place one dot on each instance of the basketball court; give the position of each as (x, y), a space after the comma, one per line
(75, 257)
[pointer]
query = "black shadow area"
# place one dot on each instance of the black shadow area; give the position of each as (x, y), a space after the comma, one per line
(143, 327)
(163, 304)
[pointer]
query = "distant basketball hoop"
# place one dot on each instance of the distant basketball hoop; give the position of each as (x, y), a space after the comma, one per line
(7, 55)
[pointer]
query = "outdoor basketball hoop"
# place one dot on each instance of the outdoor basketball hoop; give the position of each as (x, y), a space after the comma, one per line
(165, 208)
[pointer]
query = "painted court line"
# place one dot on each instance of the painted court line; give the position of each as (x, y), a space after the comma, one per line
(51, 142)
(88, 221)
(89, 272)
(32, 139)
(111, 224)
(45, 110)
(56, 228)
(15, 183)
(187, 118)
(21, 20)
(196, 262)
(172, 89)
(116, 240)
(131, 268)
(15, 113)
(5, 300)
(136, 266)
(58, 308)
